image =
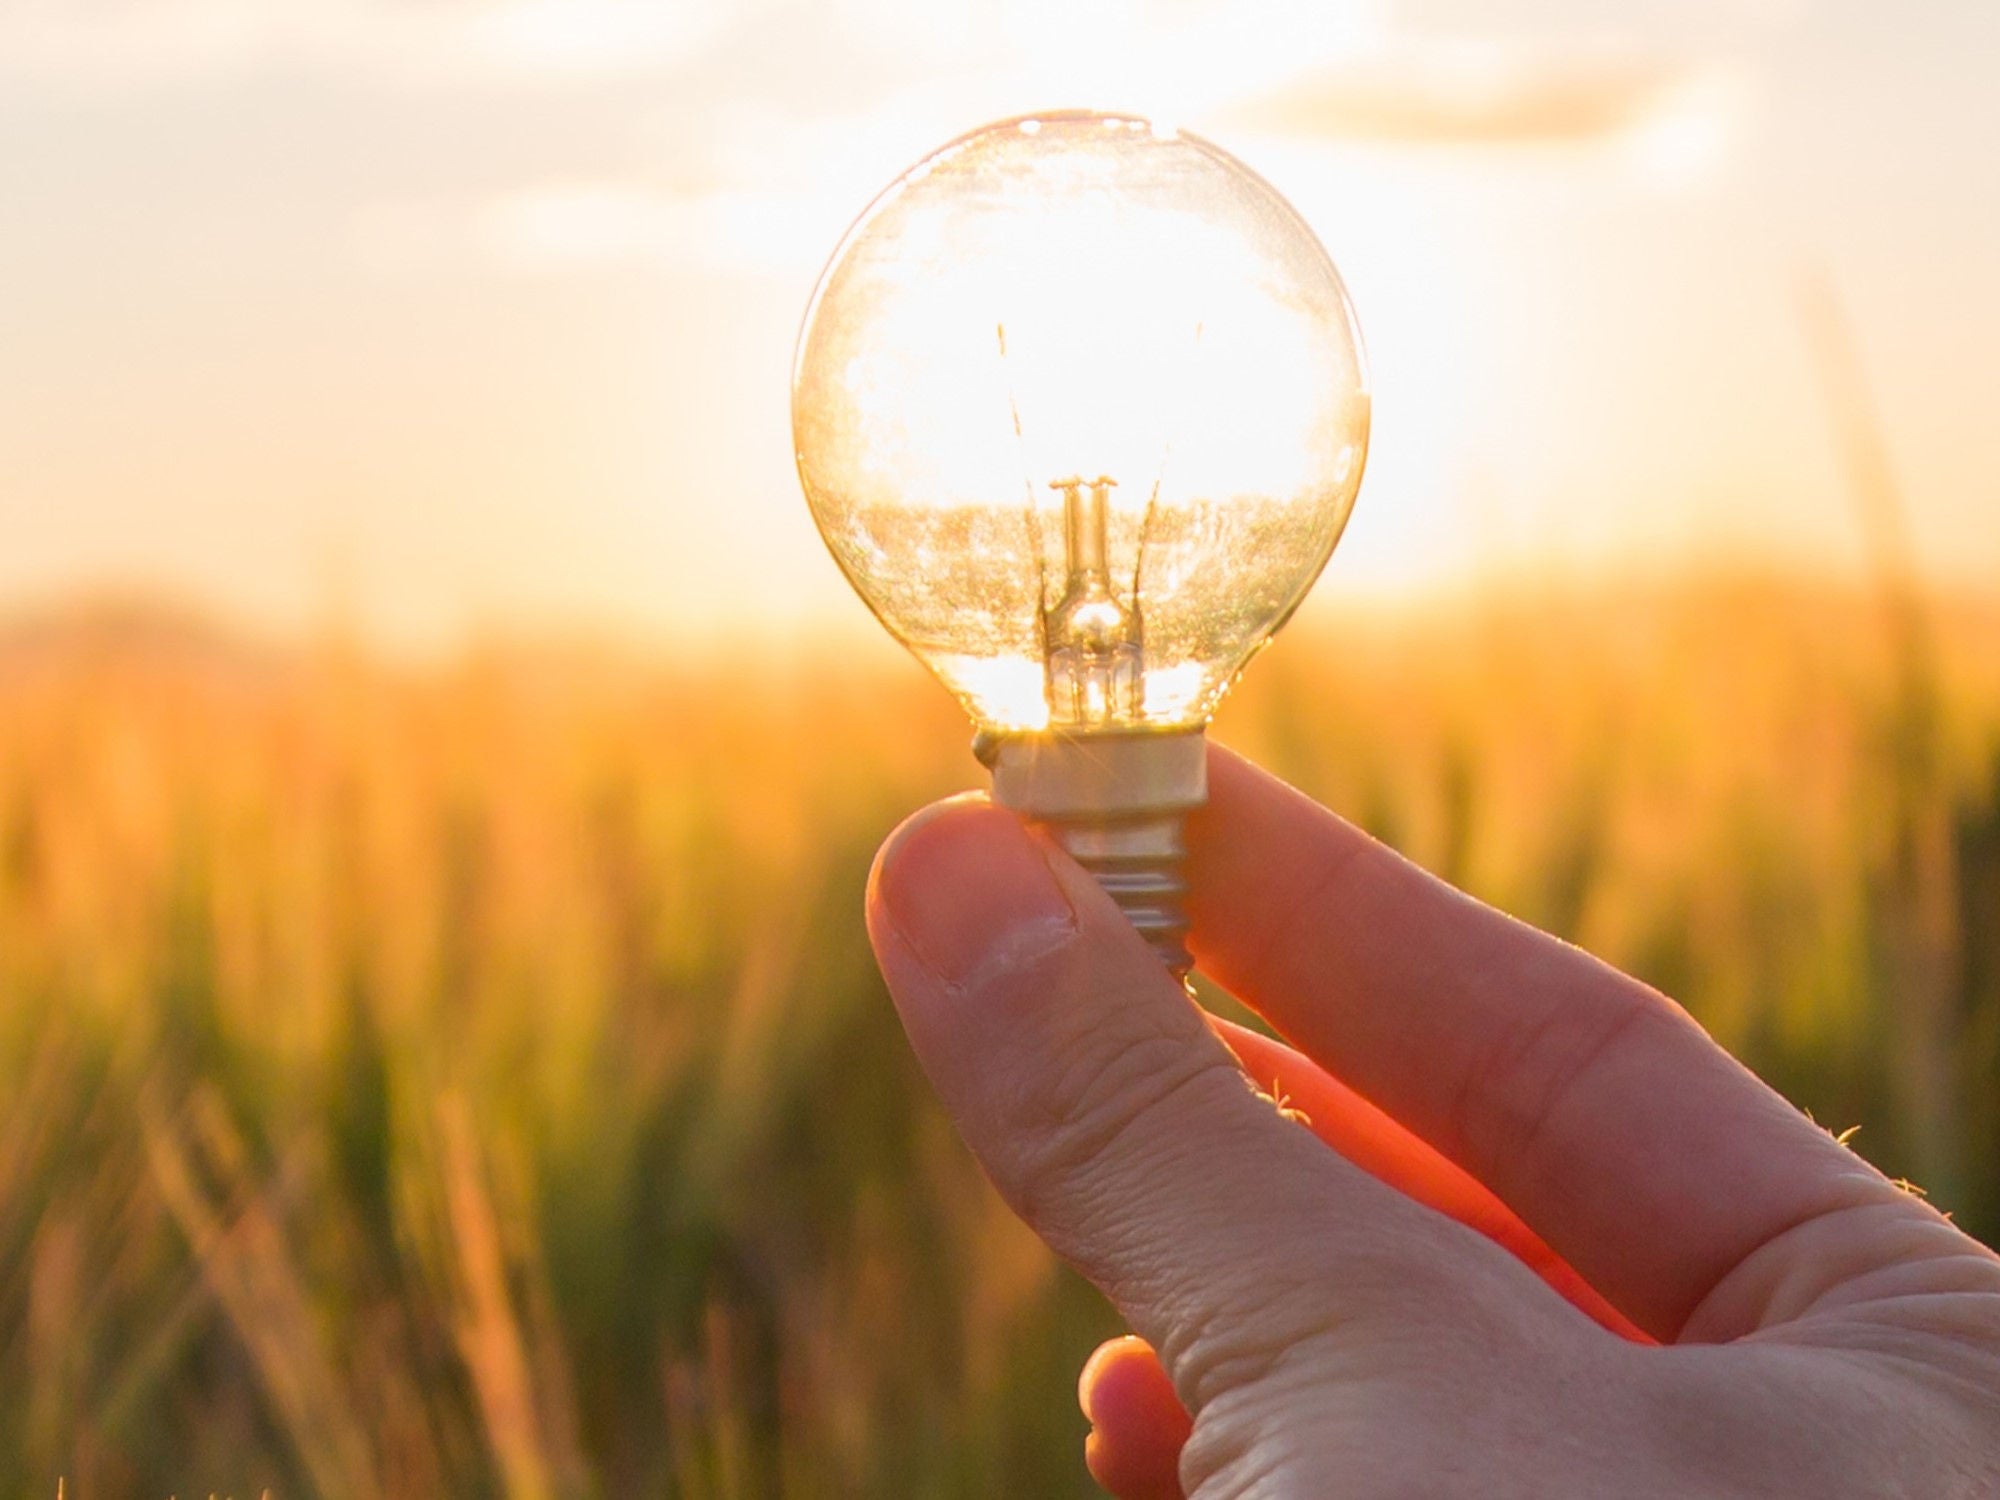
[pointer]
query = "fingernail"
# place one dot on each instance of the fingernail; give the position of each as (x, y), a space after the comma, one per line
(968, 889)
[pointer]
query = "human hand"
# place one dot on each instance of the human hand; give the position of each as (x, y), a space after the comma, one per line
(1562, 1245)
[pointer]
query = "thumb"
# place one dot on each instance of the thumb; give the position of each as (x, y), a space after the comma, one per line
(1119, 1127)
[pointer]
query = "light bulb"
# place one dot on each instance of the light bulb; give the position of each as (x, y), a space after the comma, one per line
(1079, 408)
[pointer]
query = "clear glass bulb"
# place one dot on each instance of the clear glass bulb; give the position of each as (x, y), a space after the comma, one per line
(1080, 409)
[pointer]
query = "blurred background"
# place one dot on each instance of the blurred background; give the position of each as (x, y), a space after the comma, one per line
(439, 764)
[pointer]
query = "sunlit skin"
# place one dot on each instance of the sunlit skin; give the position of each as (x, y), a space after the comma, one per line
(1766, 1314)
(1138, 1425)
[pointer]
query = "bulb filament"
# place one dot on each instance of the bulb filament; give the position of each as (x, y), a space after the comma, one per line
(1094, 640)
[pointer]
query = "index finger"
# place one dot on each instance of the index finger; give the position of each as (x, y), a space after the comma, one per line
(1646, 1156)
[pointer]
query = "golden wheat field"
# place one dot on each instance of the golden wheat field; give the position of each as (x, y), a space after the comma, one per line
(474, 1080)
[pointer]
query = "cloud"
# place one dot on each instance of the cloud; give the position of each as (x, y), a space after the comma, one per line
(583, 226)
(1692, 128)
(771, 192)
(111, 47)
(1473, 95)
(579, 227)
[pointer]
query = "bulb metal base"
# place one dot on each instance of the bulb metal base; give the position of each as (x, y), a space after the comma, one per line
(1117, 801)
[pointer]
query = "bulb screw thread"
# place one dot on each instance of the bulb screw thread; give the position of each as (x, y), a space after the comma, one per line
(1117, 801)
(1140, 862)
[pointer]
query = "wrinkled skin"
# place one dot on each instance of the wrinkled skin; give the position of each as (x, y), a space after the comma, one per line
(1499, 1221)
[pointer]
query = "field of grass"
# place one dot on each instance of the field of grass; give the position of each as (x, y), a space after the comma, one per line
(474, 1081)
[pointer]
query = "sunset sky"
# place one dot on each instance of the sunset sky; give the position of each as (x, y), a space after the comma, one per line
(440, 316)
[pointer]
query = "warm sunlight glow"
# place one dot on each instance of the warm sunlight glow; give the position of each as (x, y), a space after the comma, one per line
(440, 319)
(595, 36)
(1108, 359)
(1083, 394)
(507, 506)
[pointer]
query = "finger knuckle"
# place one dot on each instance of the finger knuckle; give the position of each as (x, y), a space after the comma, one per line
(1092, 1108)
(1512, 1100)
